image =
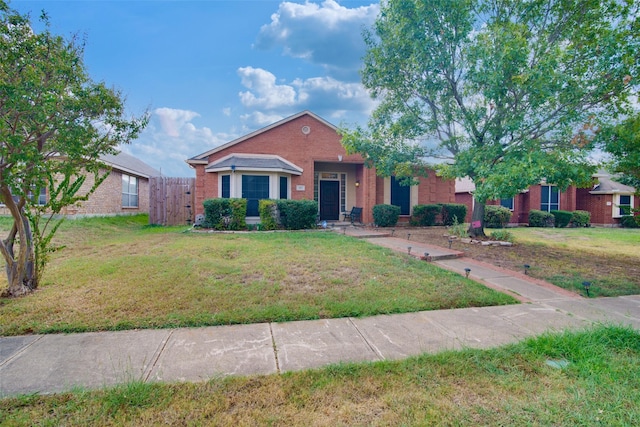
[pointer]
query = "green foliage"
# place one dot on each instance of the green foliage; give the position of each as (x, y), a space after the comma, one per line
(561, 218)
(580, 218)
(452, 212)
(459, 229)
(425, 215)
(56, 123)
(511, 90)
(503, 236)
(269, 215)
(539, 218)
(386, 215)
(630, 221)
(496, 216)
(298, 214)
(225, 214)
(622, 141)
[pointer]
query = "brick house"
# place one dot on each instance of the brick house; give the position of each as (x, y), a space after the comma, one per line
(301, 157)
(125, 191)
(606, 200)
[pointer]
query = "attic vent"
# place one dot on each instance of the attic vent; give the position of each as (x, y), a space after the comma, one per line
(306, 130)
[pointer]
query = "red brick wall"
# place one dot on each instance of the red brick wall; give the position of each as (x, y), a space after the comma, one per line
(322, 144)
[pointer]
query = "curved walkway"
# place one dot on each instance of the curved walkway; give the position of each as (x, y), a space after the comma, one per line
(56, 363)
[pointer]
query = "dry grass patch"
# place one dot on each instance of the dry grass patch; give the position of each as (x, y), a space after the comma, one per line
(121, 275)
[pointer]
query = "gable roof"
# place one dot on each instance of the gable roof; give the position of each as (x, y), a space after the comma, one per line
(202, 158)
(254, 162)
(607, 185)
(127, 163)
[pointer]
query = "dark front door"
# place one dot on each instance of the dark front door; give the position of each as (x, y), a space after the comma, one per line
(330, 200)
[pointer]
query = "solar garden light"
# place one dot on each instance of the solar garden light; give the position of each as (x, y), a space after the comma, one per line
(586, 285)
(408, 236)
(409, 250)
(526, 268)
(450, 242)
(393, 232)
(466, 272)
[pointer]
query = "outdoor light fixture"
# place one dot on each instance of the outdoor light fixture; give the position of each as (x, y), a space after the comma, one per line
(357, 183)
(409, 250)
(586, 285)
(392, 232)
(233, 168)
(526, 268)
(450, 242)
(466, 272)
(408, 236)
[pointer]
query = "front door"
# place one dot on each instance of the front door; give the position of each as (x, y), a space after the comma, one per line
(330, 200)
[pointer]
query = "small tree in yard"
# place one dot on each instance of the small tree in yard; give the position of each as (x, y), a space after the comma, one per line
(55, 122)
(509, 92)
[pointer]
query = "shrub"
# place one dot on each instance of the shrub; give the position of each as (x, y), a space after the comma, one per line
(561, 218)
(297, 214)
(580, 219)
(502, 235)
(541, 219)
(386, 215)
(269, 215)
(425, 215)
(630, 221)
(225, 214)
(215, 212)
(496, 216)
(451, 211)
(459, 229)
(238, 214)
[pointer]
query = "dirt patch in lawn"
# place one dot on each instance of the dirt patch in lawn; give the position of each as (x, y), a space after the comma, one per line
(568, 268)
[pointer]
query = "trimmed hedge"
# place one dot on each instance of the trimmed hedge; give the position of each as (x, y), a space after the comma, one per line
(561, 218)
(269, 215)
(225, 214)
(425, 215)
(386, 215)
(453, 212)
(539, 218)
(297, 214)
(580, 219)
(496, 216)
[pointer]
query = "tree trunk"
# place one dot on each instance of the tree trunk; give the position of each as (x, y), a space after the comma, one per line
(476, 228)
(21, 271)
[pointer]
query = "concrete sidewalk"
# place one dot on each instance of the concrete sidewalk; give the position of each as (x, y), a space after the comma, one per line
(56, 363)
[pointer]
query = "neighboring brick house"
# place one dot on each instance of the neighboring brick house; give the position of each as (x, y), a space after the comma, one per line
(124, 191)
(605, 201)
(301, 157)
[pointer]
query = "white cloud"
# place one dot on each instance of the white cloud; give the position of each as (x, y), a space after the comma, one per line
(171, 138)
(263, 90)
(326, 34)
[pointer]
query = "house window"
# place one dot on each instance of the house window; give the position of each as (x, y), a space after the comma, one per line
(624, 204)
(507, 203)
(284, 187)
(401, 196)
(550, 200)
(129, 191)
(254, 189)
(225, 191)
(343, 192)
(41, 200)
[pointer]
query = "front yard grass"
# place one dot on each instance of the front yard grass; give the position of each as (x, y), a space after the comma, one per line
(119, 273)
(584, 378)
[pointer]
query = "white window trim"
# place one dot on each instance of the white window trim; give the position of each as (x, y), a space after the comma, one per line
(137, 193)
(616, 204)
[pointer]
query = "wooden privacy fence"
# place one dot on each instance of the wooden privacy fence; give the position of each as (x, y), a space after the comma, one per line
(171, 200)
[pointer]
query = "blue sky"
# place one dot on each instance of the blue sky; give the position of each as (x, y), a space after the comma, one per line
(210, 71)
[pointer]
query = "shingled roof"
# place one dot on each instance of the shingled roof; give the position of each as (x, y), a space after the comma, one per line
(129, 164)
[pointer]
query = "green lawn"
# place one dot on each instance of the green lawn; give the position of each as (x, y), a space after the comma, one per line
(586, 378)
(119, 273)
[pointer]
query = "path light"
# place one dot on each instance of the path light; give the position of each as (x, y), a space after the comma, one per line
(409, 250)
(450, 242)
(408, 236)
(466, 272)
(526, 268)
(586, 285)
(392, 232)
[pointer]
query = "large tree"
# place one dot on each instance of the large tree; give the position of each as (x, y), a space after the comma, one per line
(509, 91)
(55, 122)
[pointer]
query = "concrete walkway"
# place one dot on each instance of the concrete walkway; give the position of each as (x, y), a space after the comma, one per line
(57, 363)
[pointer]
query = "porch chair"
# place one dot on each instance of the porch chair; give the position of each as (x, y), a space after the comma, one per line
(355, 214)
